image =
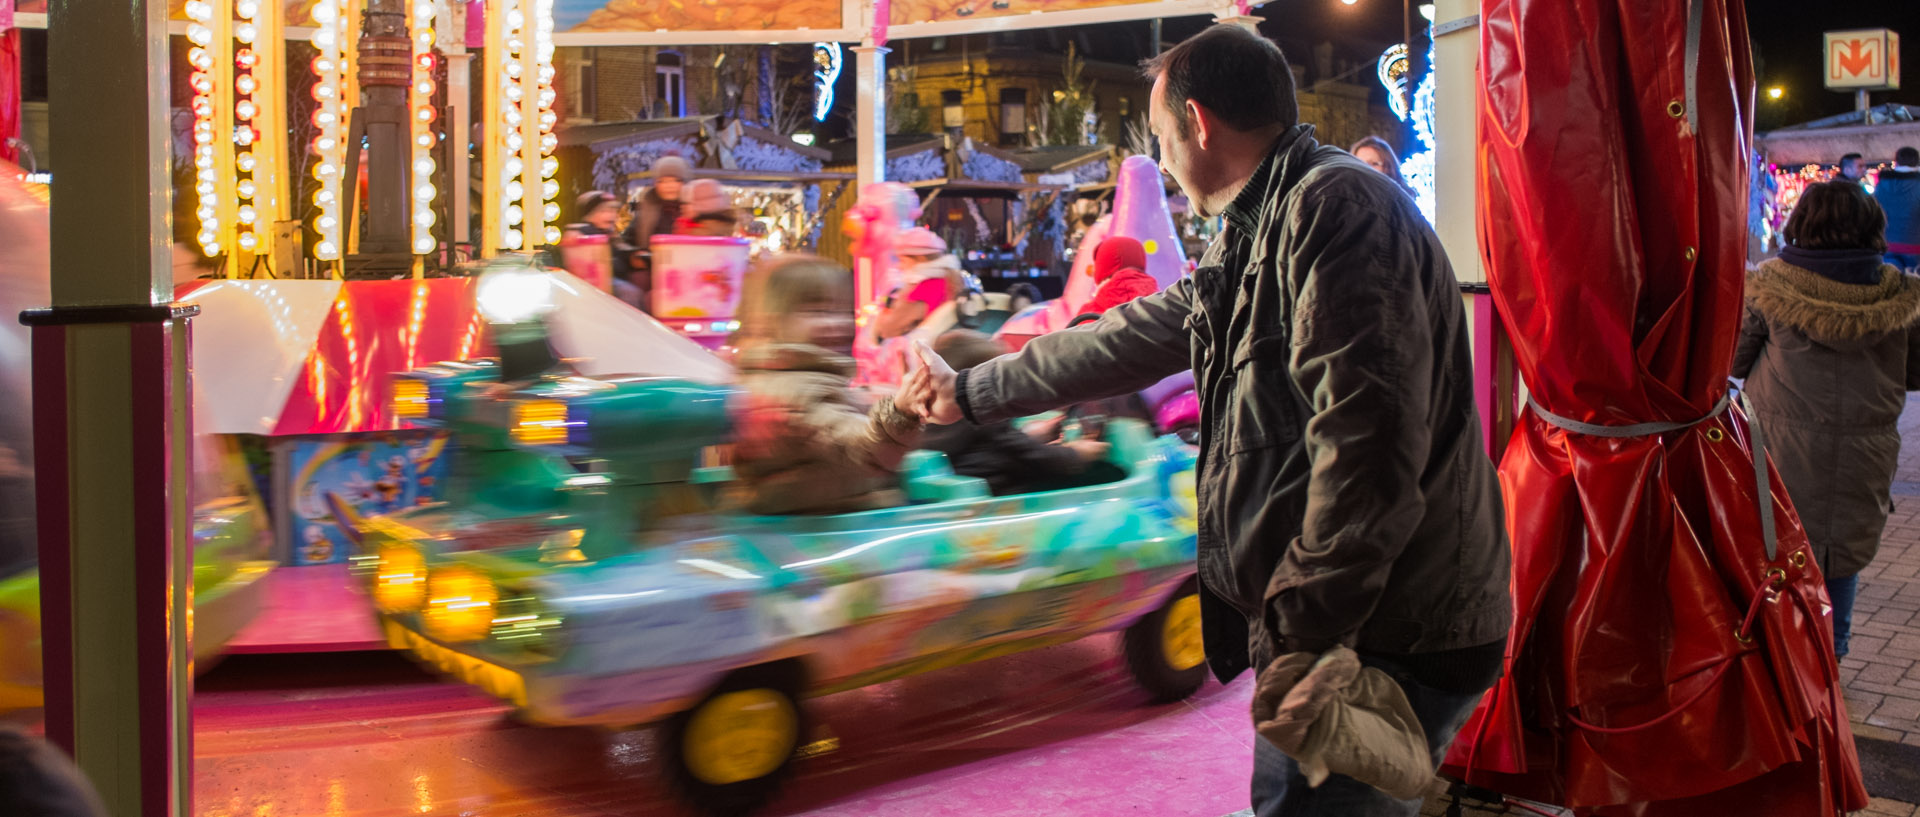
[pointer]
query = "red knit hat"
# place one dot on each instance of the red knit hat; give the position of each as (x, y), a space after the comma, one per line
(1116, 253)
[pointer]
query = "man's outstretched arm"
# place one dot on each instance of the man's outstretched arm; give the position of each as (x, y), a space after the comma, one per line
(1130, 348)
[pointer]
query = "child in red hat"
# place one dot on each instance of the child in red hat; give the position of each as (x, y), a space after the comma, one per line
(1119, 267)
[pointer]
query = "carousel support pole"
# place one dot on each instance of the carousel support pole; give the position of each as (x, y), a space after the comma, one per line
(110, 404)
(386, 71)
(870, 113)
(459, 127)
(1456, 55)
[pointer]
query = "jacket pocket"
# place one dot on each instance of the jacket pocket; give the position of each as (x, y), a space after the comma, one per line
(1262, 412)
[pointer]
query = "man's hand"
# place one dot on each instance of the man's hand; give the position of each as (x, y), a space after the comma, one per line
(1045, 431)
(932, 383)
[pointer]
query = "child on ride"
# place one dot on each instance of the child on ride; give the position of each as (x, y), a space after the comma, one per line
(1119, 267)
(805, 441)
(929, 277)
(1012, 461)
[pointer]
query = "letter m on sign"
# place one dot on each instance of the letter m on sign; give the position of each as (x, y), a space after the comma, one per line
(1862, 60)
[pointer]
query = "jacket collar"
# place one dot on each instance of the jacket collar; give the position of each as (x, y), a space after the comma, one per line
(795, 357)
(1249, 208)
(1826, 309)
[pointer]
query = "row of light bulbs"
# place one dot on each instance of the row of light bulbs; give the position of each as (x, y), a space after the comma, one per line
(527, 163)
(329, 119)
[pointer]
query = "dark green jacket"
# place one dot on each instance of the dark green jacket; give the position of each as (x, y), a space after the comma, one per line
(1344, 492)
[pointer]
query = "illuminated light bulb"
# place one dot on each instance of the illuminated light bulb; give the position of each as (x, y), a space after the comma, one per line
(424, 62)
(322, 65)
(244, 109)
(551, 212)
(199, 10)
(423, 11)
(549, 189)
(243, 136)
(546, 47)
(423, 87)
(323, 39)
(326, 223)
(325, 170)
(511, 239)
(546, 74)
(246, 214)
(206, 212)
(202, 83)
(324, 12)
(548, 119)
(514, 142)
(424, 114)
(245, 84)
(246, 162)
(424, 140)
(245, 32)
(207, 175)
(515, 192)
(513, 93)
(553, 234)
(424, 39)
(324, 118)
(325, 143)
(200, 58)
(423, 192)
(423, 219)
(247, 8)
(548, 167)
(248, 242)
(515, 46)
(322, 93)
(513, 166)
(514, 70)
(207, 237)
(203, 162)
(213, 248)
(423, 246)
(245, 58)
(546, 97)
(548, 142)
(326, 249)
(516, 18)
(514, 214)
(200, 35)
(423, 166)
(246, 187)
(513, 118)
(204, 189)
(203, 108)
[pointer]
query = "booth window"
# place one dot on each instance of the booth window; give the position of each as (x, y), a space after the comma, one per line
(1013, 117)
(670, 84)
(582, 87)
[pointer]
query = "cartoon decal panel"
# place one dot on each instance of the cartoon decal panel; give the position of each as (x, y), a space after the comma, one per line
(374, 474)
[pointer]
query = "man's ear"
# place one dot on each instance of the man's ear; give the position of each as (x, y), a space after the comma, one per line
(1203, 124)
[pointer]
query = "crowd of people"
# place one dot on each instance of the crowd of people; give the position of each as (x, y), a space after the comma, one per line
(675, 204)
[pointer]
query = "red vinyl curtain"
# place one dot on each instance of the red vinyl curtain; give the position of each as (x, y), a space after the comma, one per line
(1661, 662)
(9, 88)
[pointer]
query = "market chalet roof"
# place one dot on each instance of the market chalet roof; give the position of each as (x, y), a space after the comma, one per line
(1891, 113)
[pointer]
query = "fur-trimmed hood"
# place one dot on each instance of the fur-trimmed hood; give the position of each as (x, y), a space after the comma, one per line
(1831, 312)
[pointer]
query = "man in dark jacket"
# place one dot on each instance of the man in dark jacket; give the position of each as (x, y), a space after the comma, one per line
(654, 213)
(1899, 195)
(1344, 494)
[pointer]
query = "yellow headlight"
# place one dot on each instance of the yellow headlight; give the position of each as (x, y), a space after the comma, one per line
(540, 422)
(459, 605)
(400, 586)
(409, 398)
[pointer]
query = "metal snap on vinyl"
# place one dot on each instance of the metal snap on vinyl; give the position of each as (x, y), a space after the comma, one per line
(1798, 559)
(1715, 435)
(1776, 577)
(1676, 109)
(1689, 255)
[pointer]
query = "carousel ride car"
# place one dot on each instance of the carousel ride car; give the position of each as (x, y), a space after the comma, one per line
(229, 522)
(586, 567)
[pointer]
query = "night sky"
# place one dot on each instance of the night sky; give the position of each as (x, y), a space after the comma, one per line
(1787, 43)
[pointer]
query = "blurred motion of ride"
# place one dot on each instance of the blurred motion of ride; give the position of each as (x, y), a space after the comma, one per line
(585, 565)
(230, 529)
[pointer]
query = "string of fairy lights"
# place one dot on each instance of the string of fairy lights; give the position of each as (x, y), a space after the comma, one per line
(330, 71)
(420, 98)
(519, 159)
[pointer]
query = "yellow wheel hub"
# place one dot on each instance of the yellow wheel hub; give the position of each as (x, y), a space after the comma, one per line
(1180, 637)
(740, 736)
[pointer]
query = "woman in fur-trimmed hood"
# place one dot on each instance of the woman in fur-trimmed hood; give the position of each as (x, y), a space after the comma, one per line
(1829, 350)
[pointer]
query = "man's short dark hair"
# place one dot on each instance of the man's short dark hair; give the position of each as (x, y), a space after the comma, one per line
(1851, 157)
(1907, 157)
(1240, 76)
(1837, 215)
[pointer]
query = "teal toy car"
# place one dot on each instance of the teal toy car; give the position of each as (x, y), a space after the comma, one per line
(585, 568)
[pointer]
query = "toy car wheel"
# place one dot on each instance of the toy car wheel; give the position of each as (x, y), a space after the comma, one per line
(729, 753)
(1165, 652)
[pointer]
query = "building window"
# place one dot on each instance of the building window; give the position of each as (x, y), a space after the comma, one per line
(1013, 117)
(582, 87)
(953, 112)
(670, 84)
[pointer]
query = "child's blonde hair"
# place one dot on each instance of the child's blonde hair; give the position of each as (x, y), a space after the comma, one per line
(780, 284)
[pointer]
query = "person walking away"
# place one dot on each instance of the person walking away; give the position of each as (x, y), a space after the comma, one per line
(709, 211)
(1898, 194)
(806, 443)
(1120, 270)
(1829, 349)
(654, 213)
(1345, 496)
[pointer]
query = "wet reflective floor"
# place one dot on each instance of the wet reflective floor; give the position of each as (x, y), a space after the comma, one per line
(1059, 731)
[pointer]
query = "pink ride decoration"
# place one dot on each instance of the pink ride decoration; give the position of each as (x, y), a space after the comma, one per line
(696, 284)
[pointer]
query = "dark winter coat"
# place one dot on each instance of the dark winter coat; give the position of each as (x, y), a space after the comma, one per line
(1009, 460)
(1345, 496)
(1898, 193)
(1828, 366)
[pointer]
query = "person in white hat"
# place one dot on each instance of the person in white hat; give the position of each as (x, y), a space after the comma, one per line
(930, 277)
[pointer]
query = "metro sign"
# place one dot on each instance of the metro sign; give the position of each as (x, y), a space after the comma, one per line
(1863, 60)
